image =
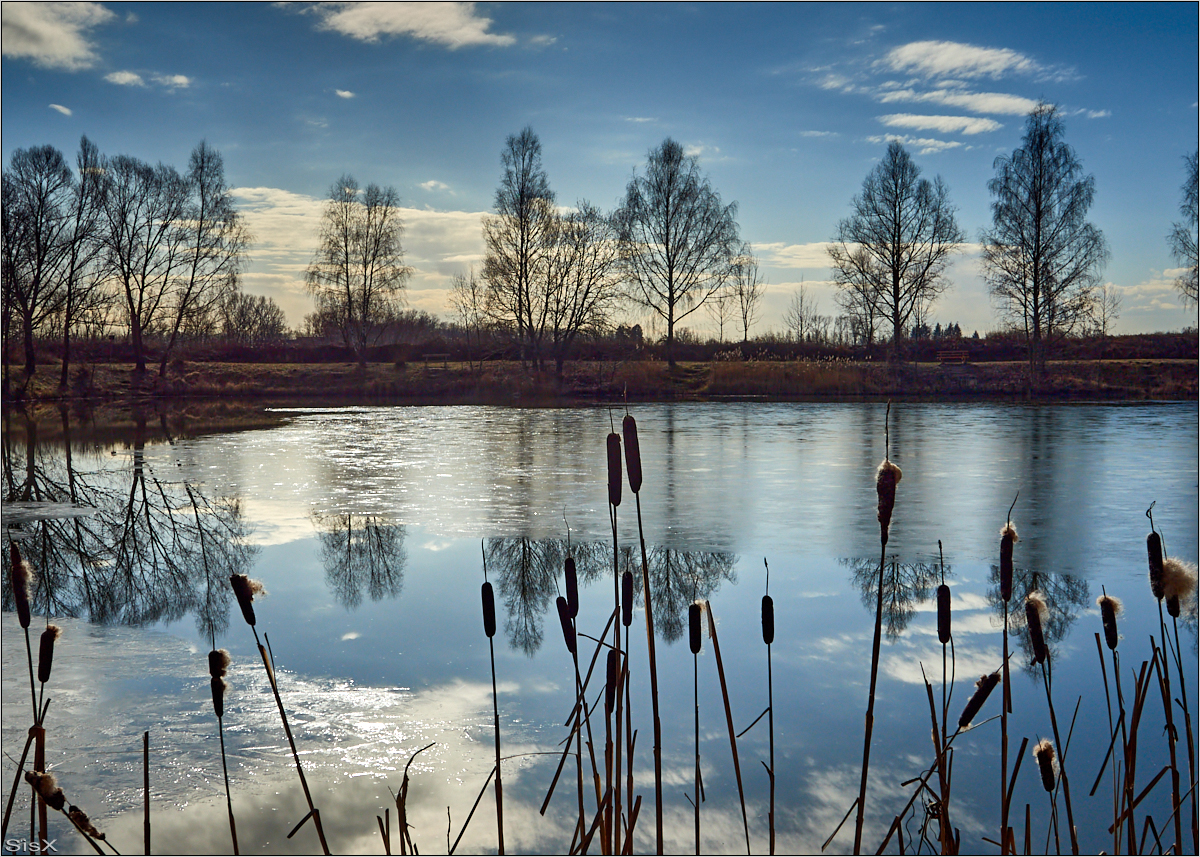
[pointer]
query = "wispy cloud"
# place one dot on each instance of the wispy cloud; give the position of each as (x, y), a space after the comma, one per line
(941, 124)
(172, 81)
(818, 133)
(955, 59)
(343, 93)
(924, 145)
(780, 255)
(434, 184)
(454, 25)
(976, 102)
(53, 35)
(65, 111)
(640, 119)
(125, 78)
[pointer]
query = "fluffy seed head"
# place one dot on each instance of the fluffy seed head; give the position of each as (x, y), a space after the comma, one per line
(218, 662)
(218, 694)
(1110, 609)
(1008, 537)
(1047, 763)
(84, 823)
(886, 477)
(47, 788)
(46, 652)
(983, 687)
(20, 575)
(1154, 556)
(1179, 578)
(1035, 609)
(245, 589)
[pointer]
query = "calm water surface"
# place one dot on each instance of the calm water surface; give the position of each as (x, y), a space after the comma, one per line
(369, 528)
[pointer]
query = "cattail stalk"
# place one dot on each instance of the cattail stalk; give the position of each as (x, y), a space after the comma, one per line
(20, 575)
(1179, 586)
(613, 764)
(1034, 607)
(218, 664)
(489, 628)
(737, 768)
(1008, 538)
(694, 640)
(768, 632)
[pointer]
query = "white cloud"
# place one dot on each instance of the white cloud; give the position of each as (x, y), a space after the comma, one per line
(818, 133)
(640, 119)
(1099, 114)
(65, 111)
(344, 93)
(932, 59)
(941, 124)
(434, 184)
(976, 102)
(125, 78)
(454, 25)
(544, 40)
(172, 81)
(780, 255)
(53, 35)
(924, 145)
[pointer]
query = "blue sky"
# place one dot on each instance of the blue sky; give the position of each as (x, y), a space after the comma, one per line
(788, 106)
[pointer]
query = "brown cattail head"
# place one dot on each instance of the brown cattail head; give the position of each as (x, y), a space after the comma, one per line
(1155, 556)
(627, 598)
(47, 788)
(489, 610)
(46, 652)
(1008, 537)
(610, 688)
(218, 695)
(20, 574)
(81, 820)
(943, 613)
(218, 662)
(983, 687)
(886, 478)
(572, 587)
(1047, 763)
(768, 619)
(1035, 608)
(1110, 609)
(564, 619)
(633, 454)
(1179, 583)
(694, 627)
(245, 589)
(614, 469)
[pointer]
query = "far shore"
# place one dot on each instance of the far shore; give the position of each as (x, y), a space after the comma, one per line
(582, 382)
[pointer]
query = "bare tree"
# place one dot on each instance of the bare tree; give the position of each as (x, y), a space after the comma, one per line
(1105, 308)
(358, 275)
(251, 319)
(83, 268)
(1184, 234)
(719, 308)
(798, 317)
(518, 237)
(468, 297)
(890, 255)
(215, 239)
(748, 289)
(142, 242)
(1041, 258)
(678, 239)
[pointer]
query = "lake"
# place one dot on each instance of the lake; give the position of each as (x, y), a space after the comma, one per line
(370, 529)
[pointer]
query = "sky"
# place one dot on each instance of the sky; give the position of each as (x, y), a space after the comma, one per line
(788, 107)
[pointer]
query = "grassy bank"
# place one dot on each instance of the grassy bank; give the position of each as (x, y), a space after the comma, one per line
(507, 382)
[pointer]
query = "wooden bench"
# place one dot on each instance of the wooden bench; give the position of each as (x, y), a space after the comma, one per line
(444, 359)
(953, 356)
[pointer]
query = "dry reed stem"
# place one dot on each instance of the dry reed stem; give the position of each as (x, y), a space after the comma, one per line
(869, 721)
(737, 768)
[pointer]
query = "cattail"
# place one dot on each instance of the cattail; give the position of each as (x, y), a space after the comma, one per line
(218, 662)
(47, 788)
(694, 627)
(768, 620)
(218, 695)
(886, 478)
(1110, 608)
(1047, 764)
(245, 589)
(614, 469)
(1008, 537)
(81, 820)
(943, 613)
(46, 652)
(1179, 582)
(1034, 608)
(610, 689)
(572, 588)
(633, 455)
(1155, 555)
(20, 575)
(983, 687)
(564, 619)
(627, 598)
(489, 610)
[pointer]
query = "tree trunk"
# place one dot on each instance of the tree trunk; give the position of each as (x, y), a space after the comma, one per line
(30, 346)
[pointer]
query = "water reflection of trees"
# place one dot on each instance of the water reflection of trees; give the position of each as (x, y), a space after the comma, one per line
(905, 585)
(361, 552)
(1064, 594)
(527, 574)
(147, 550)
